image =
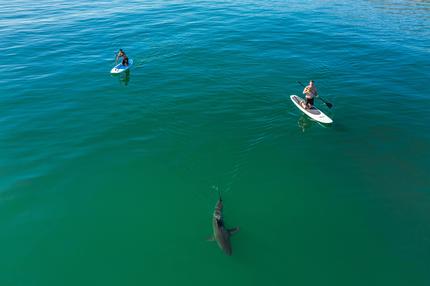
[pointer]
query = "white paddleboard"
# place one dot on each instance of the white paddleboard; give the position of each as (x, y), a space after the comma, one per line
(119, 68)
(313, 112)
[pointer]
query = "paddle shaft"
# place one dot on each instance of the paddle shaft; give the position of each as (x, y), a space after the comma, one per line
(116, 57)
(329, 105)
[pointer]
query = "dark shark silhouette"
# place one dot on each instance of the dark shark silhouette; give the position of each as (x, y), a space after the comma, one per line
(221, 233)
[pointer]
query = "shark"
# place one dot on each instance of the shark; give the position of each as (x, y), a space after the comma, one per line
(221, 234)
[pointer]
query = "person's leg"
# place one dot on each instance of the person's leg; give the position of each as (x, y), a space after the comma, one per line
(308, 105)
(309, 102)
(303, 103)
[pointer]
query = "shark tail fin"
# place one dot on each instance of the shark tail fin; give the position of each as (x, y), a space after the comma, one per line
(232, 231)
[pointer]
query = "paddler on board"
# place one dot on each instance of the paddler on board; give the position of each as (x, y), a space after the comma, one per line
(121, 54)
(311, 92)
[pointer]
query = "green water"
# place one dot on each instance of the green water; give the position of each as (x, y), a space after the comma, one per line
(110, 180)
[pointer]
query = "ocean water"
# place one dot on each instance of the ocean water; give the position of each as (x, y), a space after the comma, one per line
(111, 180)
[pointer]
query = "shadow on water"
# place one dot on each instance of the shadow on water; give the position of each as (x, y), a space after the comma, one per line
(123, 78)
(305, 123)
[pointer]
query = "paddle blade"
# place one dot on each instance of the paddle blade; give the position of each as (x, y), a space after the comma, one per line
(329, 105)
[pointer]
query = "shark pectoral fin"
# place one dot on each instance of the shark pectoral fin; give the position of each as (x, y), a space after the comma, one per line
(211, 239)
(232, 231)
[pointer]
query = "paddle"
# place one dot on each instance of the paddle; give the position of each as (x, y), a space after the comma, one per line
(329, 105)
(116, 57)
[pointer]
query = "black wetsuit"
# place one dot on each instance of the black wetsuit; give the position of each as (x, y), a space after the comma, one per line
(310, 101)
(124, 60)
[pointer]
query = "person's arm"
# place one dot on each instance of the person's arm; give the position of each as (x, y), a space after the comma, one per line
(306, 90)
(316, 93)
(117, 57)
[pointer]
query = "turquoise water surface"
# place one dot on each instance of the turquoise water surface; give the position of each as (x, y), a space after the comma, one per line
(110, 180)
